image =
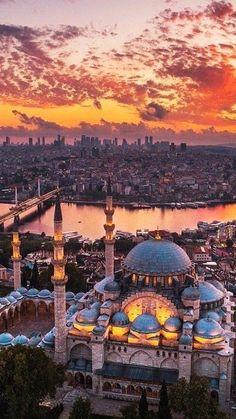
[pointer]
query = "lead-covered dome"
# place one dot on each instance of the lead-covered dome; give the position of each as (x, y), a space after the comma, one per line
(87, 316)
(146, 323)
(209, 293)
(208, 329)
(6, 339)
(173, 324)
(120, 318)
(157, 257)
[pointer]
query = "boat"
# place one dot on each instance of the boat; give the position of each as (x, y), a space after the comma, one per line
(136, 205)
(72, 235)
(172, 205)
(178, 205)
(201, 204)
(123, 234)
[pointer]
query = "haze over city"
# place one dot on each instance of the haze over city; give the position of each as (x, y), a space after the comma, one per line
(119, 69)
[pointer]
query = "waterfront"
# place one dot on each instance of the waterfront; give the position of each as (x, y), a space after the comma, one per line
(89, 219)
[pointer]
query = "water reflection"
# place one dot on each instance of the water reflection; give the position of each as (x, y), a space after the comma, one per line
(92, 218)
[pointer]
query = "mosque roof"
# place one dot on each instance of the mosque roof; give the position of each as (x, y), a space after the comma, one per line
(87, 316)
(22, 290)
(120, 318)
(190, 293)
(217, 284)
(157, 257)
(11, 299)
(4, 301)
(173, 324)
(208, 328)
(70, 295)
(6, 339)
(112, 286)
(20, 340)
(145, 323)
(185, 340)
(32, 293)
(79, 295)
(212, 315)
(17, 295)
(99, 330)
(44, 294)
(209, 293)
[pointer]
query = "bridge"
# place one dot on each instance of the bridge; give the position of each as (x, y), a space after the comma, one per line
(20, 208)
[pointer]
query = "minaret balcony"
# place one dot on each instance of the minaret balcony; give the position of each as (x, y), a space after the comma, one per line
(59, 262)
(109, 211)
(16, 258)
(16, 243)
(109, 228)
(60, 242)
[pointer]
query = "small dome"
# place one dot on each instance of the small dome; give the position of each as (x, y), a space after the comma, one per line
(99, 330)
(217, 284)
(112, 286)
(22, 290)
(221, 313)
(208, 328)
(52, 295)
(44, 294)
(32, 293)
(187, 325)
(16, 295)
(209, 293)
(173, 324)
(34, 341)
(20, 340)
(185, 340)
(211, 315)
(72, 309)
(70, 296)
(96, 305)
(157, 257)
(120, 319)
(4, 301)
(6, 339)
(146, 323)
(11, 299)
(87, 316)
(49, 338)
(79, 295)
(190, 293)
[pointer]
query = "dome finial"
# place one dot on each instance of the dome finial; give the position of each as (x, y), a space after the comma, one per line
(157, 237)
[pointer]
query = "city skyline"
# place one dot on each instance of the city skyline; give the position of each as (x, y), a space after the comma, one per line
(119, 69)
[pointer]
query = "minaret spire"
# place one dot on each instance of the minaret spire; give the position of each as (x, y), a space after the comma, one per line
(109, 228)
(16, 256)
(59, 280)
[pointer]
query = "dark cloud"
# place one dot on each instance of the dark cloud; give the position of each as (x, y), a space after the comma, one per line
(36, 121)
(219, 9)
(153, 112)
(97, 104)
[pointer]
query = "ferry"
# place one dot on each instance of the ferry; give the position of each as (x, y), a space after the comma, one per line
(172, 205)
(178, 205)
(123, 234)
(72, 235)
(136, 205)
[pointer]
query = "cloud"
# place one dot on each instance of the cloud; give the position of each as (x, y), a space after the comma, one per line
(153, 112)
(219, 9)
(39, 123)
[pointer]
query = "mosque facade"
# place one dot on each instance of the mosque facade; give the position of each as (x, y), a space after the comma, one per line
(156, 319)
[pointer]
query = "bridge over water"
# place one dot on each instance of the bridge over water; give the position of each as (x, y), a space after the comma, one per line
(18, 209)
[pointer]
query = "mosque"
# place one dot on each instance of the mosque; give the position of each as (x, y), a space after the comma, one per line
(155, 319)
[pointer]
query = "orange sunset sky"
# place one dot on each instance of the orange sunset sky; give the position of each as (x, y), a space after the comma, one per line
(119, 68)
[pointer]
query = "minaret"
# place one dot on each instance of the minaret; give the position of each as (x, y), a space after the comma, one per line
(59, 280)
(16, 256)
(109, 228)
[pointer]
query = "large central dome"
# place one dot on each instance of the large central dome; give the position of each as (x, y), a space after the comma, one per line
(157, 258)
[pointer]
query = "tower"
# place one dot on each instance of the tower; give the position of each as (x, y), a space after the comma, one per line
(16, 256)
(109, 228)
(59, 280)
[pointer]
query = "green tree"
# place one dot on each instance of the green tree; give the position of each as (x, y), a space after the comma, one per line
(193, 399)
(143, 405)
(81, 409)
(34, 280)
(27, 376)
(164, 409)
(130, 411)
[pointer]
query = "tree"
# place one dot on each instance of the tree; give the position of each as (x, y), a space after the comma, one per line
(143, 404)
(27, 376)
(130, 411)
(164, 409)
(81, 409)
(229, 243)
(34, 280)
(193, 399)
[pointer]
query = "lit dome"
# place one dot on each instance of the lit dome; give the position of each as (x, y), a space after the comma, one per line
(4, 301)
(190, 293)
(70, 296)
(112, 286)
(146, 323)
(22, 290)
(6, 339)
(173, 324)
(209, 293)
(120, 319)
(87, 316)
(208, 328)
(17, 295)
(157, 257)
(20, 340)
(32, 293)
(44, 294)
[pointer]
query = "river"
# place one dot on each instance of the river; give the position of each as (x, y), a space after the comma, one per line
(89, 219)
